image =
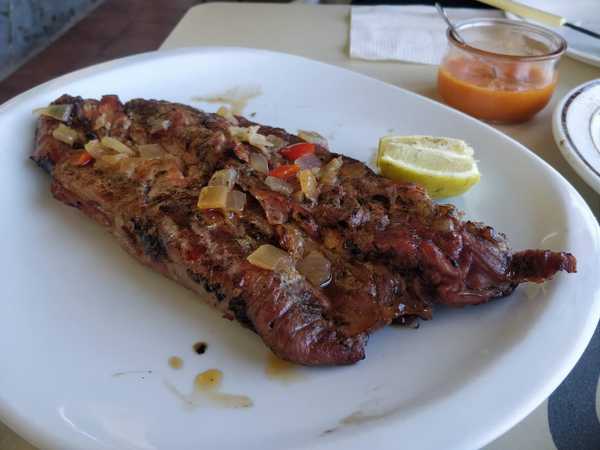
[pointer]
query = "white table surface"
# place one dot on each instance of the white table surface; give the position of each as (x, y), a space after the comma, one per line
(321, 32)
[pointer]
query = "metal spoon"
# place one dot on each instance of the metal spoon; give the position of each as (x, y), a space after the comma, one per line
(450, 25)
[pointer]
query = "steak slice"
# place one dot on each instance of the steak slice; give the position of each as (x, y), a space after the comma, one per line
(393, 253)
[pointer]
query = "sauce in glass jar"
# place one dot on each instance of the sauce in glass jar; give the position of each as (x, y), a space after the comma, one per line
(505, 72)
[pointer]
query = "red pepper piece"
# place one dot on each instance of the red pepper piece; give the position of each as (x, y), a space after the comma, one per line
(285, 171)
(82, 158)
(295, 151)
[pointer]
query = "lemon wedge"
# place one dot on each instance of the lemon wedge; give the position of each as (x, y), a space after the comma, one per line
(444, 166)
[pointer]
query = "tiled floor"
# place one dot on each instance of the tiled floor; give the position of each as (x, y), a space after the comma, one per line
(114, 29)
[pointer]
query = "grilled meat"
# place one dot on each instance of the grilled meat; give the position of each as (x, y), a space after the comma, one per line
(393, 253)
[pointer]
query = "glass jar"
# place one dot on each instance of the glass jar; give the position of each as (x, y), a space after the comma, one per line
(504, 72)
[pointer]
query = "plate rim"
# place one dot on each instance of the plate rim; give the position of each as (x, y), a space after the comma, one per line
(35, 433)
(562, 137)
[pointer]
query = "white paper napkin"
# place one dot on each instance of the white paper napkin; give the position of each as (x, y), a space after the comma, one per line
(404, 33)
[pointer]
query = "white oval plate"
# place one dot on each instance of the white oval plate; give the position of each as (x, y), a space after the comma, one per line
(76, 310)
(576, 128)
(585, 13)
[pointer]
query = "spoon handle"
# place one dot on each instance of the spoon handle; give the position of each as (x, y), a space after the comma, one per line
(444, 16)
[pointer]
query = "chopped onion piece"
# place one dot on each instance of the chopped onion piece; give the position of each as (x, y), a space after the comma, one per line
(236, 201)
(256, 139)
(151, 151)
(276, 142)
(101, 122)
(58, 112)
(227, 114)
(251, 136)
(116, 145)
(112, 159)
(65, 134)
(316, 268)
(220, 197)
(330, 171)
(213, 197)
(308, 183)
(95, 149)
(314, 138)
(259, 162)
(226, 177)
(278, 185)
(308, 162)
(270, 257)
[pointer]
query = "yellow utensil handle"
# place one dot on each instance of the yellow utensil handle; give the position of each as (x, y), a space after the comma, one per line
(519, 9)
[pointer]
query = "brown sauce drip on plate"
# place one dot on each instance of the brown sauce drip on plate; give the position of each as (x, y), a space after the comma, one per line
(200, 347)
(237, 98)
(206, 392)
(278, 369)
(175, 362)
